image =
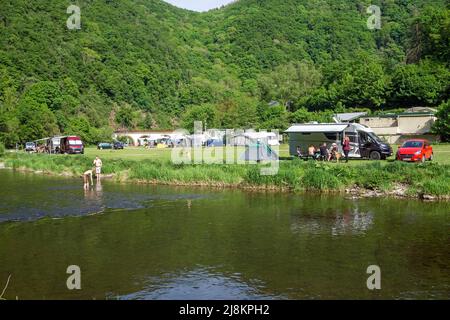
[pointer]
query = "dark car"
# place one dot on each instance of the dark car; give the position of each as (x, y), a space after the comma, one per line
(372, 147)
(104, 145)
(118, 145)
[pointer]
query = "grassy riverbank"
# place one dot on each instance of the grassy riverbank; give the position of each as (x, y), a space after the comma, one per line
(441, 153)
(385, 177)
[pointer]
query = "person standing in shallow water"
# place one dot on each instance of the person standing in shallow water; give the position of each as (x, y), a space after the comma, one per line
(98, 167)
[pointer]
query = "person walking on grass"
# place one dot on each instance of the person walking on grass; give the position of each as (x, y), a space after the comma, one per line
(98, 167)
(346, 147)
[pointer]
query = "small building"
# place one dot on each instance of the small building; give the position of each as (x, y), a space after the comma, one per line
(394, 128)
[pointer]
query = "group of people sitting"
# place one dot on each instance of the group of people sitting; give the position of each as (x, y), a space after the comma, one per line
(324, 154)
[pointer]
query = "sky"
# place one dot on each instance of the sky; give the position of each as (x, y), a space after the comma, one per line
(199, 5)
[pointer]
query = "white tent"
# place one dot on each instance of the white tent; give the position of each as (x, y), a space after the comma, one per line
(245, 138)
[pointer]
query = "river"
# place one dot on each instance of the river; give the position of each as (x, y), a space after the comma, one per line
(157, 242)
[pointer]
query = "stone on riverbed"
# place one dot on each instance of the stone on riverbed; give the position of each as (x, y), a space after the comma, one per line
(428, 197)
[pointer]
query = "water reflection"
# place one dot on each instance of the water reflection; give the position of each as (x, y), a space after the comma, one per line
(199, 284)
(340, 221)
(156, 242)
(32, 197)
(93, 197)
(352, 221)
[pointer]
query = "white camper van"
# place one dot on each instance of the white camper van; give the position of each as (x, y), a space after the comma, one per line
(364, 142)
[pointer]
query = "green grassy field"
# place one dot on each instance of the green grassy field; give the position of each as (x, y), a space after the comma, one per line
(441, 154)
(130, 153)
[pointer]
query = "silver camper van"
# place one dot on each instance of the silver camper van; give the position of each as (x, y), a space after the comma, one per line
(54, 144)
(364, 142)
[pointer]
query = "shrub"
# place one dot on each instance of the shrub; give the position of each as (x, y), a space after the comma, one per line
(320, 179)
(375, 179)
(2, 149)
(436, 187)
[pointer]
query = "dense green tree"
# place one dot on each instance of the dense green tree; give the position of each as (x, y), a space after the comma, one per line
(302, 115)
(361, 83)
(149, 57)
(147, 122)
(238, 112)
(125, 117)
(275, 117)
(430, 34)
(442, 125)
(206, 113)
(103, 134)
(289, 83)
(9, 130)
(80, 126)
(45, 92)
(426, 83)
(35, 121)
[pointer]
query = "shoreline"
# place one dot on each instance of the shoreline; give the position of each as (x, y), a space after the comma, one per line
(399, 191)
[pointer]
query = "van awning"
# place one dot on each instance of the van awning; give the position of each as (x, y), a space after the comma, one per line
(310, 128)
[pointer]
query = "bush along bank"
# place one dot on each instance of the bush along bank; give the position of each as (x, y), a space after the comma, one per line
(427, 181)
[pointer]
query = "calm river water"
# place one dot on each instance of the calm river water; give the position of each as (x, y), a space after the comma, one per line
(154, 242)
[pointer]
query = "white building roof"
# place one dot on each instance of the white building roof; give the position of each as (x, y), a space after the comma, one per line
(309, 128)
(346, 117)
(421, 110)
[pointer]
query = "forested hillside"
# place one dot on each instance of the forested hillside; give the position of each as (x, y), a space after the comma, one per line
(146, 64)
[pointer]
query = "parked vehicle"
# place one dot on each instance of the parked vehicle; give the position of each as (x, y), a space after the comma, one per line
(53, 145)
(415, 150)
(364, 143)
(30, 147)
(214, 142)
(71, 145)
(118, 145)
(104, 145)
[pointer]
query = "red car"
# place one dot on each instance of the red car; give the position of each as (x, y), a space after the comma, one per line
(415, 150)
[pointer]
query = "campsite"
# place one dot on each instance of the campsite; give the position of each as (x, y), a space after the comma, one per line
(224, 154)
(155, 166)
